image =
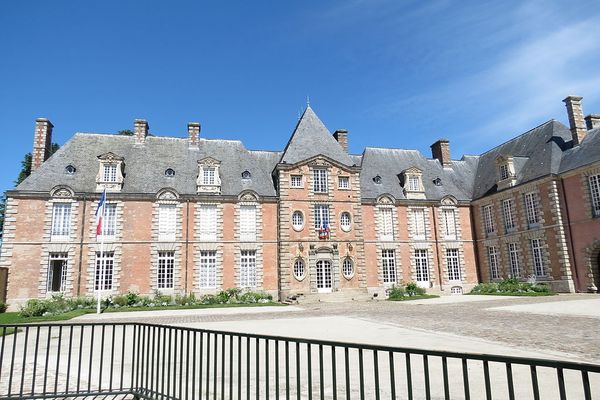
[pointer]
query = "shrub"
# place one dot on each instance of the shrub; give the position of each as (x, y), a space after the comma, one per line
(3, 307)
(396, 292)
(511, 286)
(404, 291)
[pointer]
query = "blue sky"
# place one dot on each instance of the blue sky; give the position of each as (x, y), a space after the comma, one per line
(394, 73)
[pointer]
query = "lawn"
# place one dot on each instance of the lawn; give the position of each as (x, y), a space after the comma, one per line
(415, 297)
(191, 307)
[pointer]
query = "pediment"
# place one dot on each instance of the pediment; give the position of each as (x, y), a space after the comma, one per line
(110, 156)
(209, 161)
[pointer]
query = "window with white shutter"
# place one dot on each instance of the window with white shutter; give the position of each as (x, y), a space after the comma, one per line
(418, 216)
(248, 223)
(449, 217)
(167, 222)
(208, 223)
(61, 221)
(386, 224)
(109, 222)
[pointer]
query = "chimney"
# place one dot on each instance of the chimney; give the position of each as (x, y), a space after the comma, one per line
(592, 121)
(42, 142)
(440, 150)
(140, 130)
(341, 135)
(193, 133)
(576, 120)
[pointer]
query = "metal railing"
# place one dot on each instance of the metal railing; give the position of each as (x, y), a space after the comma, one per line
(140, 360)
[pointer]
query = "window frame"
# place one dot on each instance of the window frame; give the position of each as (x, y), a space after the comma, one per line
(296, 181)
(165, 272)
(513, 258)
(109, 172)
(493, 262)
(346, 227)
(320, 217)
(207, 269)
(414, 183)
(421, 258)
(532, 209)
(454, 268)
(207, 231)
(167, 222)
(594, 186)
(537, 255)
(388, 267)
(504, 172)
(348, 268)
(449, 214)
(386, 225)
(488, 219)
(248, 222)
(419, 224)
(62, 219)
(299, 262)
(57, 256)
(109, 222)
(295, 226)
(508, 207)
(248, 272)
(344, 182)
(320, 180)
(109, 266)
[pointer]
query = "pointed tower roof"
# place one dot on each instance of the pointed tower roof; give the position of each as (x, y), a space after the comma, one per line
(311, 138)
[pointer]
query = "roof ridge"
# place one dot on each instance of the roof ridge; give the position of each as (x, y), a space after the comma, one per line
(518, 136)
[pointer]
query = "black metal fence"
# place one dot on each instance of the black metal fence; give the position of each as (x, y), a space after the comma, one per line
(156, 361)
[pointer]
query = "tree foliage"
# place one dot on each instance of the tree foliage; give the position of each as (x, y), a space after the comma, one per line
(26, 164)
(125, 132)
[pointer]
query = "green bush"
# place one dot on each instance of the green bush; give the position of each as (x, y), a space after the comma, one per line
(3, 307)
(512, 286)
(404, 291)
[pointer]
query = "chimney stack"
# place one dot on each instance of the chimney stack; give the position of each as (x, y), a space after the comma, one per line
(42, 142)
(440, 150)
(193, 133)
(576, 121)
(341, 135)
(140, 130)
(592, 121)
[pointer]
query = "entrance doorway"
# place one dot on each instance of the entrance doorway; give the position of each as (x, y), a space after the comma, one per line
(57, 272)
(324, 281)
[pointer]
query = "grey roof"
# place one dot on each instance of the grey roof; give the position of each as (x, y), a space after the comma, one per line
(536, 153)
(587, 152)
(145, 165)
(311, 138)
(390, 163)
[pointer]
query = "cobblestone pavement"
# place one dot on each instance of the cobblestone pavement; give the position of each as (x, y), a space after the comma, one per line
(575, 335)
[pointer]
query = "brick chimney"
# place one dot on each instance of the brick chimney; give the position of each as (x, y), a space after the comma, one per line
(341, 135)
(42, 142)
(193, 133)
(592, 121)
(140, 130)
(440, 150)
(576, 120)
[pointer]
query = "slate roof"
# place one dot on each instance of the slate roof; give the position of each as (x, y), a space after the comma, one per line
(311, 138)
(145, 165)
(587, 152)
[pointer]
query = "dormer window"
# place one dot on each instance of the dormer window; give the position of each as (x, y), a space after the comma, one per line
(377, 180)
(208, 180)
(505, 172)
(70, 170)
(170, 172)
(412, 181)
(110, 174)
(246, 175)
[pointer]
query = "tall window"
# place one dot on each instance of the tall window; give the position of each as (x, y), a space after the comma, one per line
(488, 219)
(503, 171)
(513, 255)
(538, 257)
(453, 263)
(508, 213)
(109, 224)
(57, 272)
(208, 269)
(208, 222)
(449, 216)
(104, 270)
(388, 262)
(531, 206)
(248, 268)
(422, 265)
(61, 221)
(386, 225)
(110, 173)
(320, 180)
(166, 266)
(344, 182)
(248, 223)
(414, 183)
(208, 175)
(321, 216)
(418, 215)
(595, 190)
(296, 181)
(167, 222)
(493, 262)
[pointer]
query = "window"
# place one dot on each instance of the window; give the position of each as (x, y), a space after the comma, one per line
(296, 181)
(531, 206)
(504, 172)
(166, 266)
(208, 269)
(248, 268)
(321, 216)
(246, 175)
(110, 173)
(453, 263)
(508, 212)
(418, 217)
(297, 220)
(488, 219)
(345, 221)
(208, 223)
(388, 260)
(70, 170)
(348, 268)
(343, 182)
(208, 177)
(299, 270)
(377, 180)
(61, 221)
(493, 262)
(386, 225)
(513, 255)
(248, 223)
(167, 222)
(320, 180)
(104, 270)
(538, 257)
(109, 222)
(449, 217)
(414, 183)
(595, 190)
(422, 265)
(170, 172)
(57, 272)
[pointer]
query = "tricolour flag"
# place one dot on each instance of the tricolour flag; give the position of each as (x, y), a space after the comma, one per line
(100, 213)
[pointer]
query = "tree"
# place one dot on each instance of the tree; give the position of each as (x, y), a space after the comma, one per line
(125, 132)
(26, 164)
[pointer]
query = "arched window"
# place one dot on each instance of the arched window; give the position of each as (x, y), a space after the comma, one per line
(348, 268)
(299, 269)
(345, 221)
(170, 172)
(297, 220)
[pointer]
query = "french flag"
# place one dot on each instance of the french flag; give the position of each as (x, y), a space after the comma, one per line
(100, 213)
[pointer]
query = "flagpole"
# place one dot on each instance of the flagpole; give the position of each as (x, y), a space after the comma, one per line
(101, 277)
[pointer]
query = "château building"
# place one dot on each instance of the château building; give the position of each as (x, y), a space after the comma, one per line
(195, 215)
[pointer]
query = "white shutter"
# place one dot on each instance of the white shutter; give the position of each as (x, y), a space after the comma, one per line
(248, 223)
(208, 223)
(167, 222)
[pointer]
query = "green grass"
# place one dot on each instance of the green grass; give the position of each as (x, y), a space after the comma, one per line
(416, 297)
(523, 294)
(15, 318)
(199, 306)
